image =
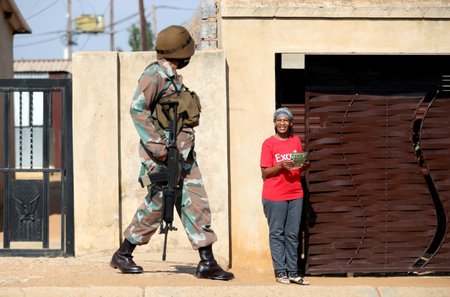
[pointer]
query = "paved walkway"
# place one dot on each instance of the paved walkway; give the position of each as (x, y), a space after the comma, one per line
(90, 276)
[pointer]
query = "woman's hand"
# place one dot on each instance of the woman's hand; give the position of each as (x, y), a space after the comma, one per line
(271, 171)
(287, 164)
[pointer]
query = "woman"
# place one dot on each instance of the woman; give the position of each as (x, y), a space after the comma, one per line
(282, 197)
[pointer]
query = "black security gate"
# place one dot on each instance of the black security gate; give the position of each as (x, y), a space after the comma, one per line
(36, 174)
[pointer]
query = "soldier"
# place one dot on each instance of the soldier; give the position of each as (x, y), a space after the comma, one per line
(174, 48)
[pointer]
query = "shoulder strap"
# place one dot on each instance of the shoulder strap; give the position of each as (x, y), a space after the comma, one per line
(166, 86)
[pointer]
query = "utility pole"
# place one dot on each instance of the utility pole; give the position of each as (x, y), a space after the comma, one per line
(111, 25)
(68, 52)
(143, 26)
(154, 24)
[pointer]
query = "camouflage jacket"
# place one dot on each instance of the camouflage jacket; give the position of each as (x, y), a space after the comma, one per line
(154, 83)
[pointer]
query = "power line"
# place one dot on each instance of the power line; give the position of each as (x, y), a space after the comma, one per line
(22, 36)
(115, 23)
(42, 10)
(126, 18)
(173, 7)
(81, 5)
(35, 4)
(84, 44)
(36, 42)
(77, 33)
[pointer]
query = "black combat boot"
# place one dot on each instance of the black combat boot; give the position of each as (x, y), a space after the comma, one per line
(123, 259)
(208, 267)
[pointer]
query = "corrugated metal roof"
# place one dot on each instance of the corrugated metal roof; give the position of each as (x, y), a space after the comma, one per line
(43, 66)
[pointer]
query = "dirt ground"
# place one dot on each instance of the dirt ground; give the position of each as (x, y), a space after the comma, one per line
(178, 270)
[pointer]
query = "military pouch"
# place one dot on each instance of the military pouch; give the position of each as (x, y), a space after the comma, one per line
(193, 111)
(188, 110)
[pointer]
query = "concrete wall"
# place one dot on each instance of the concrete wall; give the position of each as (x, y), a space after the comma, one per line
(6, 71)
(250, 44)
(106, 163)
(6, 48)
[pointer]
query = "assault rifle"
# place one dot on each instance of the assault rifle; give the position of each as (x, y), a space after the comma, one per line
(169, 179)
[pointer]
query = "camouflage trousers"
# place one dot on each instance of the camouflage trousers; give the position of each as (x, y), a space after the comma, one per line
(193, 209)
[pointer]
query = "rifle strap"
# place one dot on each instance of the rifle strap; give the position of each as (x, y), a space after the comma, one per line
(152, 106)
(164, 89)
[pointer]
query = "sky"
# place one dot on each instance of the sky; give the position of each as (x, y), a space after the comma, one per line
(48, 22)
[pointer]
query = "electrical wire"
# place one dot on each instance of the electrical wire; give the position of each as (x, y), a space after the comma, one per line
(84, 44)
(100, 33)
(81, 5)
(42, 10)
(22, 36)
(36, 42)
(35, 4)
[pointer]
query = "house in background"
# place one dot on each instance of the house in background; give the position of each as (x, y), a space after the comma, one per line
(11, 23)
(39, 69)
(42, 68)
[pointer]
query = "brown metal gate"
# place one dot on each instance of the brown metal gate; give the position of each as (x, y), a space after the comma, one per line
(379, 182)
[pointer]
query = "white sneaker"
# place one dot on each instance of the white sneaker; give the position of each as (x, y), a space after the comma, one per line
(282, 277)
(297, 279)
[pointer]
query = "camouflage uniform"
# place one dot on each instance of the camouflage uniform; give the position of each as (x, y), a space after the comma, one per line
(194, 207)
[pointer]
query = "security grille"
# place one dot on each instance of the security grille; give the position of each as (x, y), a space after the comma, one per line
(36, 179)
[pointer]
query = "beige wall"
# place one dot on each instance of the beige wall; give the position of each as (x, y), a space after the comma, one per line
(250, 46)
(95, 146)
(6, 48)
(106, 162)
(6, 71)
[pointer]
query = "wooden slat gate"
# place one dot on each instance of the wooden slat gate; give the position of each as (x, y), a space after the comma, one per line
(36, 176)
(379, 182)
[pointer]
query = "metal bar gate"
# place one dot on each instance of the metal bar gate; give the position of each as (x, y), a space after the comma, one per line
(36, 169)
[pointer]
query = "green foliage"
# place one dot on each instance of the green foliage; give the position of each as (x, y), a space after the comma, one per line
(134, 39)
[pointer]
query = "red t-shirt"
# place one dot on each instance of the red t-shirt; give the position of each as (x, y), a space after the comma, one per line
(285, 185)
